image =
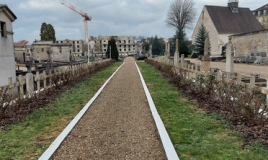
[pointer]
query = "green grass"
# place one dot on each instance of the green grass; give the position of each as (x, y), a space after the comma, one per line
(195, 134)
(29, 138)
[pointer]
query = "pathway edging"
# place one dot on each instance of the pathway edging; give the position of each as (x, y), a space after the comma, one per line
(165, 139)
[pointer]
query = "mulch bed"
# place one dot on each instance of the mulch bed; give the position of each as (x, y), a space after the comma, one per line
(251, 133)
(26, 106)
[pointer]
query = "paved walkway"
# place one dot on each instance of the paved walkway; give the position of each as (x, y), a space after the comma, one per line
(118, 125)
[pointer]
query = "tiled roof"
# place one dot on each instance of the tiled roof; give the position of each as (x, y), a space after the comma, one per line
(227, 22)
(262, 8)
(21, 43)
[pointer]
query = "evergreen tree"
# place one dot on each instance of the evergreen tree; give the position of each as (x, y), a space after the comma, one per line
(114, 50)
(47, 32)
(156, 46)
(183, 43)
(200, 39)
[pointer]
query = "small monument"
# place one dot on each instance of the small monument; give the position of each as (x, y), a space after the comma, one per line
(177, 55)
(205, 62)
(229, 56)
(150, 52)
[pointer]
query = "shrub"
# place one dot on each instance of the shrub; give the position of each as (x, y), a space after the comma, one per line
(194, 55)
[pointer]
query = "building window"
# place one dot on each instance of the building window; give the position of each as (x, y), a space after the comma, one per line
(128, 49)
(42, 49)
(104, 50)
(60, 50)
(78, 50)
(3, 29)
(73, 42)
(104, 45)
(61, 41)
(120, 50)
(77, 46)
(125, 49)
(77, 41)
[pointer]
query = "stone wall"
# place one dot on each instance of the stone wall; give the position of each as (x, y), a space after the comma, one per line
(263, 20)
(246, 43)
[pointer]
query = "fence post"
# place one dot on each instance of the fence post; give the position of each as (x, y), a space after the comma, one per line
(239, 77)
(182, 60)
(10, 85)
(228, 77)
(50, 78)
(252, 80)
(45, 79)
(37, 79)
(30, 83)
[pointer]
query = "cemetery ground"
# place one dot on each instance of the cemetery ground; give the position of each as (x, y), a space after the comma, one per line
(194, 133)
(241, 68)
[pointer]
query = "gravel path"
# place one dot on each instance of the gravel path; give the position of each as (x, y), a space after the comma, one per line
(118, 125)
(240, 68)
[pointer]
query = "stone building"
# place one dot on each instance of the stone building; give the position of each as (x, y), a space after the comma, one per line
(223, 21)
(262, 15)
(252, 42)
(7, 58)
(22, 50)
(61, 51)
(41, 50)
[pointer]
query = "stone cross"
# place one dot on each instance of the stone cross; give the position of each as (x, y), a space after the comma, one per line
(150, 52)
(206, 49)
(229, 56)
(177, 55)
(168, 49)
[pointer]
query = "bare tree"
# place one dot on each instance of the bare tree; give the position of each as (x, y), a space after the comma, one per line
(181, 15)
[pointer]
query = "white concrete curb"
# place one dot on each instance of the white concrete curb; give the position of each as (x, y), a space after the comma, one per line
(166, 142)
(57, 142)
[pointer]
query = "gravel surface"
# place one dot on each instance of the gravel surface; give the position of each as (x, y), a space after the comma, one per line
(240, 68)
(118, 125)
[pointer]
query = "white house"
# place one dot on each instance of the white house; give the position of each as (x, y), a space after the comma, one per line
(7, 58)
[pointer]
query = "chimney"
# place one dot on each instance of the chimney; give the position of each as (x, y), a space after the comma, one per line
(233, 5)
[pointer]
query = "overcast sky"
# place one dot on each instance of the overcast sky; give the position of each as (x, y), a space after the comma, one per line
(109, 17)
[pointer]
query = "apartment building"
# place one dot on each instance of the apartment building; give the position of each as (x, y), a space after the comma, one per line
(126, 45)
(77, 46)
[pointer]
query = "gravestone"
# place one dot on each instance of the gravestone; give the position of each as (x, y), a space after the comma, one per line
(230, 56)
(29, 83)
(205, 62)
